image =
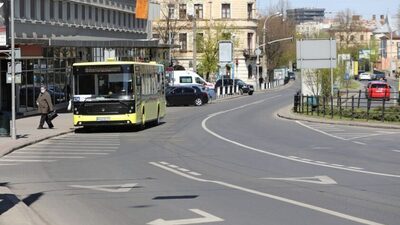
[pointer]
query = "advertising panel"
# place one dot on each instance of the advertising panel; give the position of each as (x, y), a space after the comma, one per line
(142, 9)
(3, 23)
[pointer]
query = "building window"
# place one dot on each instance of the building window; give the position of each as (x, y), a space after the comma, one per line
(108, 16)
(250, 41)
(226, 11)
(22, 7)
(200, 42)
(102, 16)
(68, 11)
(42, 10)
(183, 42)
(129, 21)
(249, 10)
(182, 11)
(352, 38)
(60, 10)
(198, 10)
(51, 9)
(341, 38)
(398, 50)
(171, 11)
(76, 11)
(33, 9)
(96, 14)
(361, 37)
(90, 12)
(83, 12)
(114, 18)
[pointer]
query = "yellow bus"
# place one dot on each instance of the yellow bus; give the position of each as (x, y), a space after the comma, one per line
(118, 93)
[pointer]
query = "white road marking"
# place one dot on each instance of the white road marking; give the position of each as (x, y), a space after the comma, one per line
(183, 169)
(294, 157)
(8, 164)
(321, 162)
(113, 188)
(58, 153)
(275, 197)
(307, 160)
(320, 131)
(164, 163)
(62, 150)
(75, 144)
(206, 218)
(70, 147)
(337, 165)
(194, 173)
(26, 160)
(313, 180)
(204, 126)
(173, 166)
(360, 143)
(356, 168)
(396, 150)
(44, 157)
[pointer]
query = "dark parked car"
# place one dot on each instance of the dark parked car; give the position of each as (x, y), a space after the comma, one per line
(186, 95)
(243, 87)
(291, 75)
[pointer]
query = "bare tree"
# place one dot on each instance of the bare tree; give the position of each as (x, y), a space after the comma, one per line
(347, 24)
(170, 24)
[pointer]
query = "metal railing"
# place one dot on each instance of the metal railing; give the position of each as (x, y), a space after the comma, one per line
(350, 104)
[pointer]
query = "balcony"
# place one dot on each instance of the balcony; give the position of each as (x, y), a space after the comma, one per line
(249, 53)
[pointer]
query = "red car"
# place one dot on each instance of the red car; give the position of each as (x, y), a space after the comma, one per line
(378, 90)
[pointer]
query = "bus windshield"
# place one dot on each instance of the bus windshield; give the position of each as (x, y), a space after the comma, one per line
(105, 85)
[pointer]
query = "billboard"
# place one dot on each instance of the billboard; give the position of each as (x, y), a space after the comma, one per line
(225, 51)
(4, 15)
(142, 9)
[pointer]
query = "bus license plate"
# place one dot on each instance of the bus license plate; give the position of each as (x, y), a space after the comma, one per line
(103, 118)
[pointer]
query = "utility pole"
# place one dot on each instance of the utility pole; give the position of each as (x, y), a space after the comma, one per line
(13, 112)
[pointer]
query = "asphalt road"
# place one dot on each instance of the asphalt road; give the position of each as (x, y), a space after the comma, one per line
(232, 162)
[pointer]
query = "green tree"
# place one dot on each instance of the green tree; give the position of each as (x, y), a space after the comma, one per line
(209, 59)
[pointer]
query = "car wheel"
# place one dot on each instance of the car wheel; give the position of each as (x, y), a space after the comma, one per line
(198, 102)
(250, 93)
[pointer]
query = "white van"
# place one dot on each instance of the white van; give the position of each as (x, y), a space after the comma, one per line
(186, 77)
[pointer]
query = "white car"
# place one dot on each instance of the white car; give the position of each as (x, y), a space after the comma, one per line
(365, 76)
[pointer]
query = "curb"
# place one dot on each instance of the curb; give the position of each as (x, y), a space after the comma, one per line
(288, 115)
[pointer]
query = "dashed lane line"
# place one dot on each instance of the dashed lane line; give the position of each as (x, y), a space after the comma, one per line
(359, 143)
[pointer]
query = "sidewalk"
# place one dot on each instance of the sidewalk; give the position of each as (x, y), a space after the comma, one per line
(28, 134)
(287, 113)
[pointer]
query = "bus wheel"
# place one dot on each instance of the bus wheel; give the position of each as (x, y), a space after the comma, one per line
(198, 102)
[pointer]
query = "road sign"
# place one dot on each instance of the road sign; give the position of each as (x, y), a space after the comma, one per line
(316, 54)
(258, 51)
(206, 218)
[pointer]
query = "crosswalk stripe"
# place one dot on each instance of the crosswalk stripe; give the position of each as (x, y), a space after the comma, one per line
(26, 160)
(60, 153)
(64, 150)
(44, 156)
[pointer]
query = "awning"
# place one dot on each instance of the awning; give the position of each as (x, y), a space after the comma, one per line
(89, 41)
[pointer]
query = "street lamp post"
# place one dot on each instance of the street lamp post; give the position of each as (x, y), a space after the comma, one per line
(13, 112)
(265, 61)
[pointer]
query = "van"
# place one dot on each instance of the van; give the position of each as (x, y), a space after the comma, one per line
(186, 77)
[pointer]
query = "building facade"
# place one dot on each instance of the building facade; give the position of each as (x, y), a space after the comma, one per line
(235, 19)
(302, 15)
(53, 34)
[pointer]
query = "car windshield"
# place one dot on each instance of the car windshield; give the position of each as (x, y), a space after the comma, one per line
(378, 85)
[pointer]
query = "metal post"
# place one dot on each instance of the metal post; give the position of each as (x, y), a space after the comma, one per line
(13, 113)
(330, 64)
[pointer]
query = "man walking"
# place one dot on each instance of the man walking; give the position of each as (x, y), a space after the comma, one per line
(44, 107)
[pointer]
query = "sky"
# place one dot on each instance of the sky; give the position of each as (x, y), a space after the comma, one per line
(366, 8)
